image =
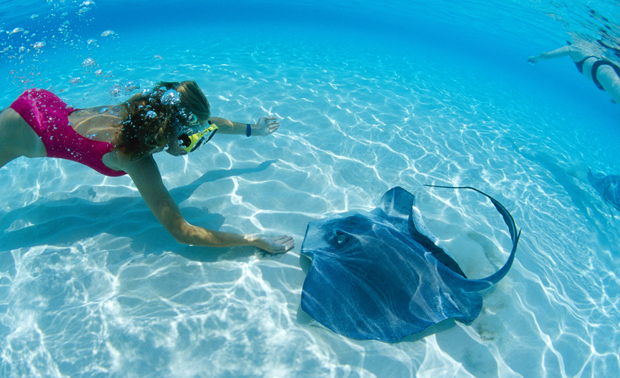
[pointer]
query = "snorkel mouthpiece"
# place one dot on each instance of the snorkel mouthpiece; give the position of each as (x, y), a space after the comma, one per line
(190, 142)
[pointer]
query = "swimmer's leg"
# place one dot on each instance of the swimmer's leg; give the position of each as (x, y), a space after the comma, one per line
(17, 138)
(610, 81)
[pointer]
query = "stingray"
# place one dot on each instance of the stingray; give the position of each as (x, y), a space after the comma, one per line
(380, 275)
(607, 186)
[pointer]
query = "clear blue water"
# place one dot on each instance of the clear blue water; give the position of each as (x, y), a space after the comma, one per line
(371, 95)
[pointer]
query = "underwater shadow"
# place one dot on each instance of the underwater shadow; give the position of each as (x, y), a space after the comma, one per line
(580, 198)
(63, 222)
(184, 192)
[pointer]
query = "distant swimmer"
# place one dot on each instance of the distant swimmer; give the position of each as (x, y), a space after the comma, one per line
(604, 73)
(121, 139)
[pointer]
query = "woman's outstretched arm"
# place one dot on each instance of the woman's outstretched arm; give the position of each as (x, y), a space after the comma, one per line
(147, 178)
(264, 126)
(563, 51)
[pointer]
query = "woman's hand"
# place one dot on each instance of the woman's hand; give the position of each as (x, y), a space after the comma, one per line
(280, 244)
(265, 126)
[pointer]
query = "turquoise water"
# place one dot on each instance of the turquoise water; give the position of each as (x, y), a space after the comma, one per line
(370, 95)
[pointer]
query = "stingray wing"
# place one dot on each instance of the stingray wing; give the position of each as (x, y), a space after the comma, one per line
(398, 206)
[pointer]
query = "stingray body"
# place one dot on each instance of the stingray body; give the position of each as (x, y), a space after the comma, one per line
(607, 186)
(379, 274)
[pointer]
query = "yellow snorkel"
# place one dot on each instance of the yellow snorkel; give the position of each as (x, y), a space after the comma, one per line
(190, 142)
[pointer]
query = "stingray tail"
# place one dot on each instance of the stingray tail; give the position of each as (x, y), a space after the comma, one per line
(485, 283)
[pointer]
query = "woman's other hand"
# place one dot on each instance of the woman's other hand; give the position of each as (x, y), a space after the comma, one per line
(266, 126)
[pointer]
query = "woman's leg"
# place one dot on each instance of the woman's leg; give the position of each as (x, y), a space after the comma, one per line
(17, 138)
(610, 80)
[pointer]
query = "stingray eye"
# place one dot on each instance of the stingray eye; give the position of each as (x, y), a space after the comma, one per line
(340, 237)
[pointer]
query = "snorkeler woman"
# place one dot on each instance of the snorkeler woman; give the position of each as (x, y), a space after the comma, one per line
(604, 73)
(121, 139)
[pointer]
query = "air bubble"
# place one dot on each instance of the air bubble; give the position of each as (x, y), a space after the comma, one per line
(171, 97)
(88, 62)
(115, 90)
(109, 33)
(131, 85)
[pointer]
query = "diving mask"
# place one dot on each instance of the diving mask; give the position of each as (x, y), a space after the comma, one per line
(191, 141)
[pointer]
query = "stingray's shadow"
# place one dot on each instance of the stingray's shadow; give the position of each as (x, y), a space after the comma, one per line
(63, 222)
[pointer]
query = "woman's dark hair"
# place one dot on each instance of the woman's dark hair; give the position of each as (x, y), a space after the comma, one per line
(149, 123)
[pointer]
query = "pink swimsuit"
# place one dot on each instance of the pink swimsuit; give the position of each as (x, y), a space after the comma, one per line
(48, 116)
